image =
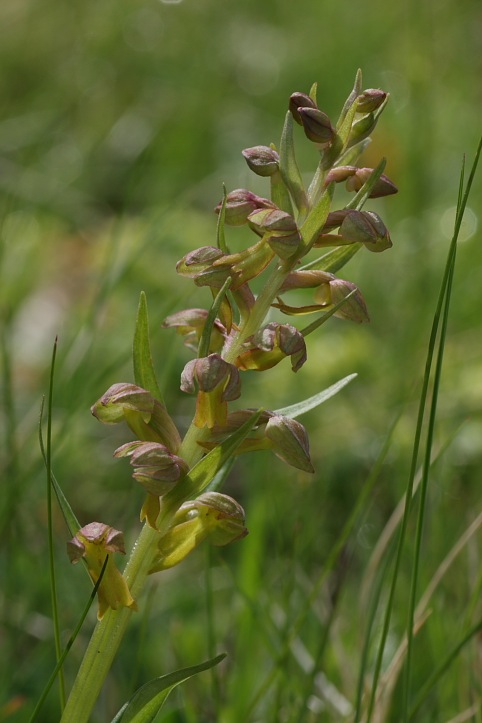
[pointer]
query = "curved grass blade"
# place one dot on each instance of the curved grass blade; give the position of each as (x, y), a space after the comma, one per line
(70, 519)
(148, 700)
(296, 410)
(220, 235)
(53, 579)
(442, 314)
(144, 373)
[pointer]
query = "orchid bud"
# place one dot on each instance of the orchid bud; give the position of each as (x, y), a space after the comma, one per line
(272, 219)
(155, 468)
(239, 204)
(263, 160)
(279, 229)
(290, 442)
(383, 187)
(354, 308)
(225, 517)
(370, 99)
(271, 345)
(211, 516)
(111, 407)
(339, 174)
(300, 100)
(93, 543)
(317, 125)
(216, 382)
(146, 416)
(307, 278)
(198, 260)
(368, 228)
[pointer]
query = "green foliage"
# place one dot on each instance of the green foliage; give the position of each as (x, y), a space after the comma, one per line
(146, 702)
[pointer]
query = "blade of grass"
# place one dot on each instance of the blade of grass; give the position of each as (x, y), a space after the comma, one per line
(50, 532)
(144, 373)
(70, 519)
(444, 307)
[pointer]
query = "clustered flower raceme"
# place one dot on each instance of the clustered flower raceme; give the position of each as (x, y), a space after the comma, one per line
(234, 337)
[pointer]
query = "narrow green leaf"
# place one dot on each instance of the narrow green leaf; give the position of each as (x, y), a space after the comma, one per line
(50, 533)
(289, 167)
(357, 88)
(351, 155)
(334, 260)
(148, 700)
(144, 373)
(220, 236)
(296, 410)
(70, 519)
(313, 92)
(324, 317)
(203, 349)
(440, 318)
(67, 511)
(280, 194)
(343, 131)
(316, 218)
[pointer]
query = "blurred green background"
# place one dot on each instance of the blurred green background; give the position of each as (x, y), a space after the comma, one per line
(119, 123)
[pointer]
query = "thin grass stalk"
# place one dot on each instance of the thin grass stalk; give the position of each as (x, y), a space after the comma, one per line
(424, 488)
(444, 305)
(50, 532)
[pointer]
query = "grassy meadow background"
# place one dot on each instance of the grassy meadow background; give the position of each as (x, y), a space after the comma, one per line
(120, 121)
